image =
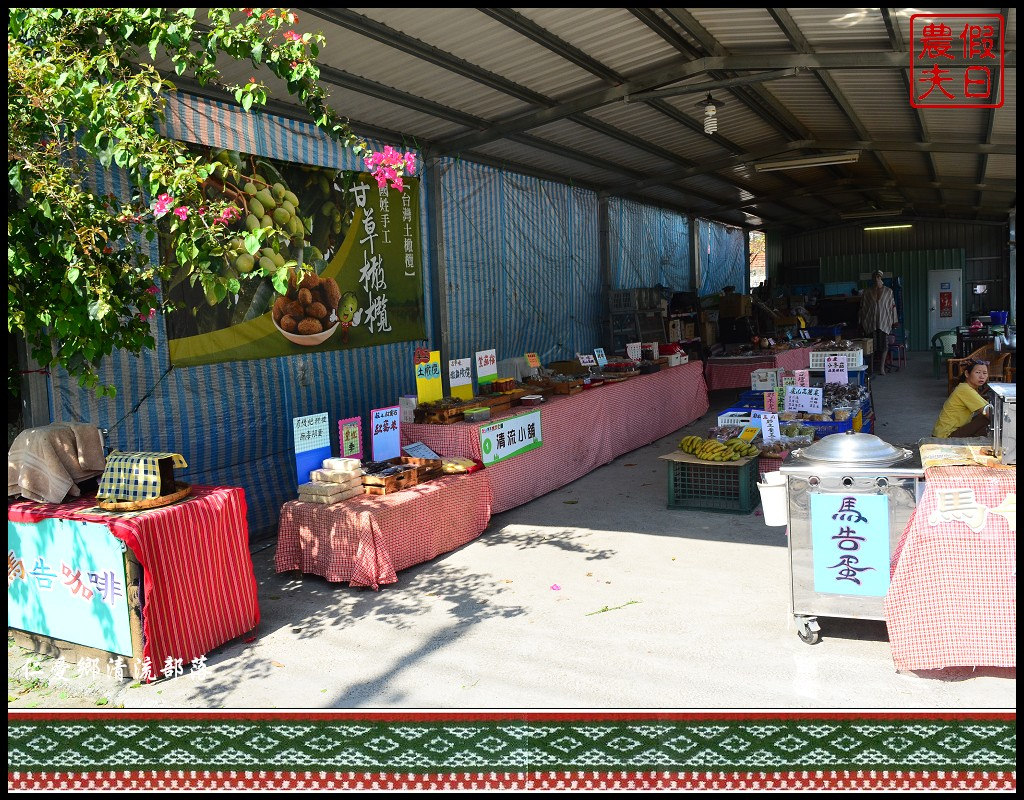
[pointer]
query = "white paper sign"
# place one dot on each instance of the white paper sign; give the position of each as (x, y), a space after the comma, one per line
(804, 398)
(586, 360)
(802, 376)
(486, 366)
(835, 370)
(633, 350)
(460, 371)
(420, 450)
(386, 431)
(602, 359)
(770, 428)
(804, 334)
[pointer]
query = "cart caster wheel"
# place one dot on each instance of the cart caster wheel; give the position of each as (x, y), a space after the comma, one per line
(809, 637)
(808, 630)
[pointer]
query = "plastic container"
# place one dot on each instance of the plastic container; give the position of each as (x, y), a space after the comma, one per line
(854, 358)
(620, 300)
(999, 317)
(714, 487)
(774, 499)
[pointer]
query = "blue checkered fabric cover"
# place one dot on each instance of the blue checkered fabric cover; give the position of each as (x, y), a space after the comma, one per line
(130, 477)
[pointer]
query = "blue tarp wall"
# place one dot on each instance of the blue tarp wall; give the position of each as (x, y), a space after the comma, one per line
(522, 272)
(723, 259)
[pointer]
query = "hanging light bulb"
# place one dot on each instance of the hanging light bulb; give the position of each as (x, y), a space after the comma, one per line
(710, 106)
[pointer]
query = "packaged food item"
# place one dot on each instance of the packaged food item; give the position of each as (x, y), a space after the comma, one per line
(331, 499)
(341, 464)
(335, 476)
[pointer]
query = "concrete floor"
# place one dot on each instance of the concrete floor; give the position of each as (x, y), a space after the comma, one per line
(595, 596)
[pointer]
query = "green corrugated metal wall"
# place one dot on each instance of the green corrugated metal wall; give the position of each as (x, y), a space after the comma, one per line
(912, 267)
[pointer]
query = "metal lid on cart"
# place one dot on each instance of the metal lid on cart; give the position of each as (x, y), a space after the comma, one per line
(853, 449)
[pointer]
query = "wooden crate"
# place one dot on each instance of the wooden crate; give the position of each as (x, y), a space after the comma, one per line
(377, 484)
(426, 468)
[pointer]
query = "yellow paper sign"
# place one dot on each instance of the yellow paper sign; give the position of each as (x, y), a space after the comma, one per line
(428, 379)
(533, 360)
(749, 433)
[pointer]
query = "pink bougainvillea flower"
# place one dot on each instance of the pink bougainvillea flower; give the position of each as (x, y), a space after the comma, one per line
(248, 12)
(292, 36)
(163, 204)
(397, 185)
(153, 290)
(181, 212)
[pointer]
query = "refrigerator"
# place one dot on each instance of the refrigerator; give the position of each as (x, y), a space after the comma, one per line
(945, 300)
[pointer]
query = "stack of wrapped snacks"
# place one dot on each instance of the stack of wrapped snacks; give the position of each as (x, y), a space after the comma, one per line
(340, 479)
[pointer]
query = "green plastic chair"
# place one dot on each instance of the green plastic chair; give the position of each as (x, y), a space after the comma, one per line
(942, 350)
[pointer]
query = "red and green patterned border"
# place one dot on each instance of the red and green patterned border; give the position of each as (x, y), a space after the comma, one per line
(350, 750)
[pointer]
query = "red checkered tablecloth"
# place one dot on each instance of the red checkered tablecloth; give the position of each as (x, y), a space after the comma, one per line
(727, 372)
(579, 433)
(952, 597)
(198, 581)
(368, 539)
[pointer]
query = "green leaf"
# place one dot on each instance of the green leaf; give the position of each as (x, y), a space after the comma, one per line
(280, 280)
(73, 273)
(247, 102)
(252, 243)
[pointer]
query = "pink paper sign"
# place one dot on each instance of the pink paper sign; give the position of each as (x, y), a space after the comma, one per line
(803, 377)
(350, 438)
(771, 402)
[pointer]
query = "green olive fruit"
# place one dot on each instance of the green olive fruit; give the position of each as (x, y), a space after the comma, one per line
(282, 216)
(268, 265)
(256, 207)
(278, 259)
(315, 254)
(229, 271)
(237, 243)
(288, 206)
(267, 199)
(267, 221)
(245, 263)
(279, 190)
(251, 189)
(252, 222)
(291, 198)
(327, 209)
(336, 226)
(268, 251)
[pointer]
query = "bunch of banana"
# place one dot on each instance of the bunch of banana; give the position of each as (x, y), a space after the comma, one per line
(688, 444)
(714, 450)
(743, 448)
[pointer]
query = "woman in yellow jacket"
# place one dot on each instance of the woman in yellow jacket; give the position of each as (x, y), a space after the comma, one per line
(965, 412)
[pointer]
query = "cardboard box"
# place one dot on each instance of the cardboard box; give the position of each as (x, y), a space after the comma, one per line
(763, 380)
(708, 333)
(735, 305)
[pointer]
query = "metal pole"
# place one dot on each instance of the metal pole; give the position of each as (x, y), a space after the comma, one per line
(439, 282)
(605, 264)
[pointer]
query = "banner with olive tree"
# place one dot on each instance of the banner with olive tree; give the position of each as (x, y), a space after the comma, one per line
(359, 247)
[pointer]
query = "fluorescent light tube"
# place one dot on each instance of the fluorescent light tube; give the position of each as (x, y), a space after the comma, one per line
(881, 212)
(887, 227)
(804, 162)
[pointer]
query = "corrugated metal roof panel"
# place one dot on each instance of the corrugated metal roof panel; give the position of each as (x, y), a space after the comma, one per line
(812, 105)
(743, 29)
(611, 35)
(659, 129)
(578, 137)
(360, 55)
(879, 99)
(548, 162)
(841, 29)
(487, 43)
(1002, 168)
(955, 124)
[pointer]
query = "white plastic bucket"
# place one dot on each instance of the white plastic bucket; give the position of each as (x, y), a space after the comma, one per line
(774, 499)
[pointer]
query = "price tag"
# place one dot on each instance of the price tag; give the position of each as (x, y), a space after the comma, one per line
(835, 370)
(586, 360)
(749, 433)
(771, 342)
(633, 351)
(533, 360)
(602, 359)
(428, 378)
(460, 378)
(350, 435)
(788, 380)
(385, 426)
(804, 334)
(802, 377)
(486, 367)
(771, 401)
(770, 428)
(803, 398)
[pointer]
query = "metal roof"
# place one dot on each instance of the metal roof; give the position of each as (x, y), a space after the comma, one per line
(565, 93)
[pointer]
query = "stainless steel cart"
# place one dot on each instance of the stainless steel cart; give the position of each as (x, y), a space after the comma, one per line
(850, 496)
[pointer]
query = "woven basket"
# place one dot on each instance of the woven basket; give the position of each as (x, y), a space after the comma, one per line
(182, 490)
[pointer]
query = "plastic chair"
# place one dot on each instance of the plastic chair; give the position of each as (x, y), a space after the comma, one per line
(898, 348)
(997, 365)
(942, 348)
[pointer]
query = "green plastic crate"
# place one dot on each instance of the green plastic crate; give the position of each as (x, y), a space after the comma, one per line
(713, 487)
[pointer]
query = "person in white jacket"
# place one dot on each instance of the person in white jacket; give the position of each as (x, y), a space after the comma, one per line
(878, 317)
